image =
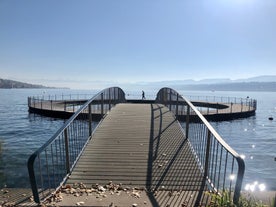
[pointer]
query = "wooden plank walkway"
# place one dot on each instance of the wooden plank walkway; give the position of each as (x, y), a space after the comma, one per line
(141, 146)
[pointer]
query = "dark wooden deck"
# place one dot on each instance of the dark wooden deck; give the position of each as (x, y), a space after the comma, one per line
(142, 146)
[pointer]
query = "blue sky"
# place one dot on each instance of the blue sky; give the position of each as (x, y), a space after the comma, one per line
(80, 44)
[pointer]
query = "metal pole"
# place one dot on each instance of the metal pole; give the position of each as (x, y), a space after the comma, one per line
(241, 106)
(102, 104)
(114, 96)
(67, 151)
(90, 119)
(32, 177)
(170, 99)
(176, 113)
(239, 180)
(187, 121)
(206, 168)
(119, 98)
(109, 97)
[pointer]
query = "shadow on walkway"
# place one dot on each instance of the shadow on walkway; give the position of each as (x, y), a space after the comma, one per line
(173, 177)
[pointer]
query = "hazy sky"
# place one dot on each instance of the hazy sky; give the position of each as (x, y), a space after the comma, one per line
(78, 42)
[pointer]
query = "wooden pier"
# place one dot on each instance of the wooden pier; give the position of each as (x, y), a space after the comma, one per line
(141, 146)
(139, 153)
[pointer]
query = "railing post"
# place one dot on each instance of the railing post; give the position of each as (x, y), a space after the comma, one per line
(64, 105)
(187, 121)
(67, 151)
(114, 96)
(51, 105)
(170, 99)
(206, 167)
(239, 180)
(90, 119)
(109, 98)
(102, 104)
(241, 105)
(32, 177)
(119, 96)
(176, 113)
(164, 97)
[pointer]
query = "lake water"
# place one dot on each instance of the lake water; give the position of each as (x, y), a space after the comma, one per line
(22, 133)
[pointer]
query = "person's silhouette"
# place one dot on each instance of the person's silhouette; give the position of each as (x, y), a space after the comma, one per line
(143, 95)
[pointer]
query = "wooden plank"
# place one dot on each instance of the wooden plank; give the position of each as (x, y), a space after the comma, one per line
(141, 144)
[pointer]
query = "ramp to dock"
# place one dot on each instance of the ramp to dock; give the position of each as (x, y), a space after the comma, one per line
(141, 146)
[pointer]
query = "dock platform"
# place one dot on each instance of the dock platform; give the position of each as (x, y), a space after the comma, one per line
(140, 146)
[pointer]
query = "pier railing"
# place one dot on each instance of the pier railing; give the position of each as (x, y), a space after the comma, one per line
(51, 164)
(205, 104)
(221, 166)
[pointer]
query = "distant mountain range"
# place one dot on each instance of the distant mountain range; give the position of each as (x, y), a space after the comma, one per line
(4, 83)
(239, 86)
(259, 83)
(268, 78)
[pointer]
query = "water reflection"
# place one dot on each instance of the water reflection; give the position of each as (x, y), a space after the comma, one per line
(255, 186)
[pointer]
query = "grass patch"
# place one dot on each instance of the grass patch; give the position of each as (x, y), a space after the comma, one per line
(246, 200)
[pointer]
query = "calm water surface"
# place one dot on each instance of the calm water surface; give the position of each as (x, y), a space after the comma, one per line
(22, 133)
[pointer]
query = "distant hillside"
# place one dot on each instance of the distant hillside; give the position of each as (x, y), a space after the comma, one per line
(4, 83)
(242, 86)
(259, 83)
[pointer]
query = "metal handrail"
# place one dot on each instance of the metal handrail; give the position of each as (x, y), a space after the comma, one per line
(219, 163)
(51, 164)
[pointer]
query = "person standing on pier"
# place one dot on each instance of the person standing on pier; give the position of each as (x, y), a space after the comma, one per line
(143, 95)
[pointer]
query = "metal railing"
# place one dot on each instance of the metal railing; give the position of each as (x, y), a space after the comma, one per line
(62, 97)
(56, 105)
(220, 165)
(51, 164)
(205, 104)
